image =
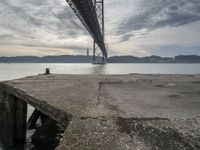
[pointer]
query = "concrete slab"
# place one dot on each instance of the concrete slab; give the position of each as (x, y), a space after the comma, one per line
(117, 111)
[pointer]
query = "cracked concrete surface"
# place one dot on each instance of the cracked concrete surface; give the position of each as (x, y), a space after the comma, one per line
(117, 111)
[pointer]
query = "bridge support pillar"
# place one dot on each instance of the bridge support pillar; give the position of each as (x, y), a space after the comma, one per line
(12, 119)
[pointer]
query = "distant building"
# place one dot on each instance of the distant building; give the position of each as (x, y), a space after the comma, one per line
(88, 52)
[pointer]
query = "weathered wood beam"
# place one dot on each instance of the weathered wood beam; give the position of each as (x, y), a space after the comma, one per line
(33, 119)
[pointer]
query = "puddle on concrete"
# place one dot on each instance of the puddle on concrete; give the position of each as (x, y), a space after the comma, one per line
(40, 138)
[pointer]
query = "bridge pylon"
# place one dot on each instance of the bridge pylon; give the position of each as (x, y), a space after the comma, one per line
(98, 56)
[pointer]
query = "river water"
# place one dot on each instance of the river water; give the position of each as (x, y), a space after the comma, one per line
(13, 71)
(17, 70)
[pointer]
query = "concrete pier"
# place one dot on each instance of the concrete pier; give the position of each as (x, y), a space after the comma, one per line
(118, 112)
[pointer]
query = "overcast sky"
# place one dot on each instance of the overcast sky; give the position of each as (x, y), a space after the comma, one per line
(133, 27)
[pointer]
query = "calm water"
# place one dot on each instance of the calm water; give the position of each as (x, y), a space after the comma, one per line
(14, 71)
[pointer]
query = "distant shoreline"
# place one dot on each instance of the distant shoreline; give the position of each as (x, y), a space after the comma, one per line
(114, 59)
(88, 63)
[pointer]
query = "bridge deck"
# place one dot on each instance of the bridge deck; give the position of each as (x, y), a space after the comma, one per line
(116, 111)
(86, 12)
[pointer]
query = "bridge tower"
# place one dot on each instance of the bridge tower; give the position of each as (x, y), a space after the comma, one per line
(97, 53)
(91, 14)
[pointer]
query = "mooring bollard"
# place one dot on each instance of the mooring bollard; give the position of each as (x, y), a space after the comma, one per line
(47, 71)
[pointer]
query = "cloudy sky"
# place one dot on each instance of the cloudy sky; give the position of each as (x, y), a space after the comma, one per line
(133, 27)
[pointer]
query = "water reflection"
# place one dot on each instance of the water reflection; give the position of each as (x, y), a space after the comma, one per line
(98, 69)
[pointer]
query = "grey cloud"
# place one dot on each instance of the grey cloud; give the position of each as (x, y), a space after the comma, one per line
(56, 46)
(5, 36)
(29, 18)
(161, 13)
(125, 37)
(135, 35)
(47, 23)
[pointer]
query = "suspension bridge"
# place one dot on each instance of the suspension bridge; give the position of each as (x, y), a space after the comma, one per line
(91, 14)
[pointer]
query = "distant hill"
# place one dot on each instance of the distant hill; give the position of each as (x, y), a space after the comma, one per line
(132, 59)
(187, 59)
(47, 59)
(113, 59)
(155, 59)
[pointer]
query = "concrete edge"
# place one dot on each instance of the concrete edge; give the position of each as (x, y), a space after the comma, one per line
(56, 114)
